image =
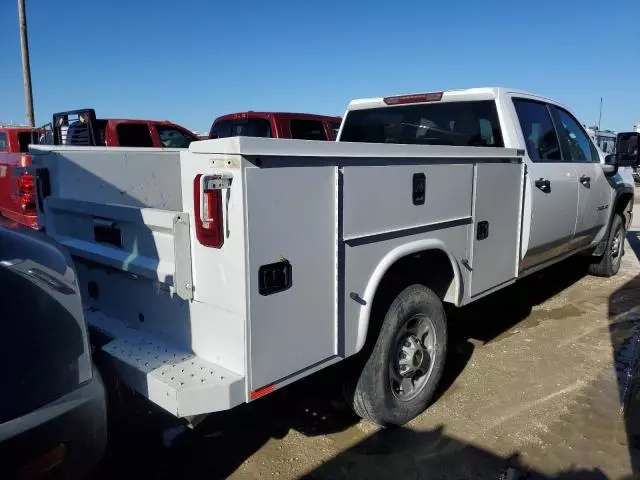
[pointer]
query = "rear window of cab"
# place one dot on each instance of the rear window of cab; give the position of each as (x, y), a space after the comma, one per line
(245, 127)
(472, 123)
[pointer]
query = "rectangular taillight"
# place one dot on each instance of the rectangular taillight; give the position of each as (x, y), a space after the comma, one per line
(207, 204)
(25, 186)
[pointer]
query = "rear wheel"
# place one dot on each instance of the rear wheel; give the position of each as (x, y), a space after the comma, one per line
(404, 368)
(609, 264)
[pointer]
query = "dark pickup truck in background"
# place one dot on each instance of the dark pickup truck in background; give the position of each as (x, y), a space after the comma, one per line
(53, 409)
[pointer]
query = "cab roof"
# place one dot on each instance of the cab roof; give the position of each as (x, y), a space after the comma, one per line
(288, 115)
(455, 95)
(19, 128)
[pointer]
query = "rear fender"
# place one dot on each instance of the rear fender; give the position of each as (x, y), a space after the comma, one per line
(453, 295)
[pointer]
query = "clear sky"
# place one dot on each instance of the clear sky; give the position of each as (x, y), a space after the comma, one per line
(192, 60)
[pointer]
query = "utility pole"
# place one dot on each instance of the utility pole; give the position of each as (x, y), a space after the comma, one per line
(600, 116)
(26, 67)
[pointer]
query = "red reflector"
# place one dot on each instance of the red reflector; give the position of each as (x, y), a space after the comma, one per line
(45, 463)
(25, 183)
(208, 215)
(25, 160)
(27, 202)
(416, 98)
(261, 392)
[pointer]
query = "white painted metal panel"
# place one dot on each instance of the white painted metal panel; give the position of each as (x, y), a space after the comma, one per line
(124, 176)
(146, 235)
(498, 201)
(219, 274)
(379, 199)
(366, 263)
(291, 215)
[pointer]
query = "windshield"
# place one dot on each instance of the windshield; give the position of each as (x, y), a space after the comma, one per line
(245, 127)
(171, 137)
(447, 123)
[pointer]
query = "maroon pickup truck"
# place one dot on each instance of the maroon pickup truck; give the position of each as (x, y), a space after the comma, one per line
(301, 126)
(77, 127)
(81, 127)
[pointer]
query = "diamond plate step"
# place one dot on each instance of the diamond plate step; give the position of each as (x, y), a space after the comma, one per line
(180, 382)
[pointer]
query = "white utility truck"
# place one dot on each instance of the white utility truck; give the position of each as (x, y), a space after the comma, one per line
(217, 274)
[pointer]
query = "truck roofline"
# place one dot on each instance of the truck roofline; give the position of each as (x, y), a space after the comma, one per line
(455, 95)
(136, 120)
(252, 114)
(20, 128)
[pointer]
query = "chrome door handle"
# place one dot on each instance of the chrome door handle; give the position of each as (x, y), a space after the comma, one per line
(585, 180)
(543, 184)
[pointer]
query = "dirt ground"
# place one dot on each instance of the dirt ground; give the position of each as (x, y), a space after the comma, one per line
(538, 385)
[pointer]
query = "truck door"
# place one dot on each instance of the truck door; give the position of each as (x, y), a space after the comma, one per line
(593, 186)
(551, 187)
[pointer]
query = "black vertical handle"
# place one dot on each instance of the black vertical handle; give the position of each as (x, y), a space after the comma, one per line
(43, 186)
(419, 188)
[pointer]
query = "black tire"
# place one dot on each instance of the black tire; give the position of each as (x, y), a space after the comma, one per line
(609, 264)
(375, 396)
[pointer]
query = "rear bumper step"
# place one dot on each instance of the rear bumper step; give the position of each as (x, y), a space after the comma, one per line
(181, 382)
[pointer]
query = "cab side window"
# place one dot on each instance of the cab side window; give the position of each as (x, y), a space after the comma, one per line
(172, 137)
(538, 131)
(134, 135)
(4, 144)
(576, 145)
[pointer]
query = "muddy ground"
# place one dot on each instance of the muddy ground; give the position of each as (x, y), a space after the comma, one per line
(536, 381)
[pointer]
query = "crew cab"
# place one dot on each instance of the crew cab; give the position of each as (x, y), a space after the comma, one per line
(77, 127)
(300, 126)
(218, 274)
(81, 127)
(569, 199)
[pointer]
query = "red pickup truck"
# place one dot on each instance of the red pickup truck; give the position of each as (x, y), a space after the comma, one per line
(301, 126)
(81, 127)
(17, 201)
(77, 127)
